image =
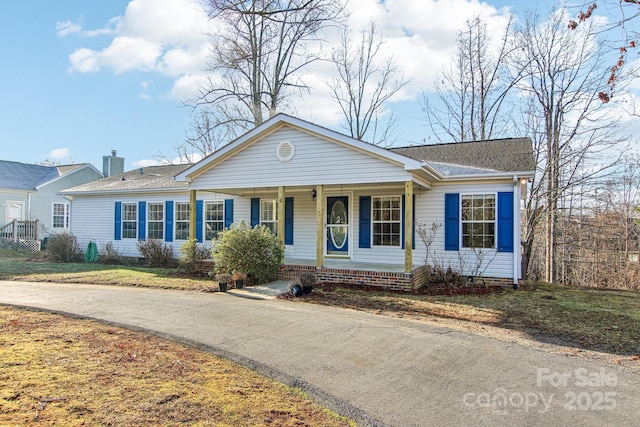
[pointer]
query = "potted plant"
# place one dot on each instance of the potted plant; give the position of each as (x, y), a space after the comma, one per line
(223, 280)
(295, 287)
(307, 280)
(239, 278)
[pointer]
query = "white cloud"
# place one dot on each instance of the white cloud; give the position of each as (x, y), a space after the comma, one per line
(59, 153)
(169, 37)
(143, 163)
(67, 27)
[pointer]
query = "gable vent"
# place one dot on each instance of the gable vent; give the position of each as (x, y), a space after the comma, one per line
(285, 151)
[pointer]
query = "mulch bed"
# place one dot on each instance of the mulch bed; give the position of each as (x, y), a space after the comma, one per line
(425, 290)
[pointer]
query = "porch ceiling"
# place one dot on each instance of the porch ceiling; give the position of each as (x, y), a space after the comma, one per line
(256, 191)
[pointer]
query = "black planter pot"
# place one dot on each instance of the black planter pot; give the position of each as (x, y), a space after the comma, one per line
(223, 287)
(239, 284)
(296, 291)
(307, 289)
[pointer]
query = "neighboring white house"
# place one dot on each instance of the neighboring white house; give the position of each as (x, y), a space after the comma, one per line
(343, 208)
(31, 192)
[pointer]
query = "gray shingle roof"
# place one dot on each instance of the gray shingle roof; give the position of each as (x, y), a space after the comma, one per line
(148, 178)
(24, 176)
(501, 155)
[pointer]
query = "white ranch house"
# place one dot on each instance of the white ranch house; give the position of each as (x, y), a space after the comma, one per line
(342, 208)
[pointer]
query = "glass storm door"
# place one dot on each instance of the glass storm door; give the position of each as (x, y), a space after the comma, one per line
(338, 225)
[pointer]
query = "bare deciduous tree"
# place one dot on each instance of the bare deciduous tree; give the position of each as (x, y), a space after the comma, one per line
(572, 131)
(362, 83)
(203, 137)
(258, 53)
(470, 94)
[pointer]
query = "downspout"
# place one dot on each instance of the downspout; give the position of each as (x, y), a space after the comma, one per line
(29, 206)
(516, 231)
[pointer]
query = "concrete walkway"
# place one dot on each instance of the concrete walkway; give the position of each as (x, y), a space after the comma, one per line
(379, 370)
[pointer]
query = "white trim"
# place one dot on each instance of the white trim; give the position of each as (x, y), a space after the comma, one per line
(7, 206)
(163, 221)
(122, 220)
(517, 262)
(175, 219)
(400, 221)
(66, 216)
(495, 219)
(204, 217)
(279, 120)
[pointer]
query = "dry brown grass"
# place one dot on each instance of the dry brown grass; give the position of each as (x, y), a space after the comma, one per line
(56, 370)
(595, 320)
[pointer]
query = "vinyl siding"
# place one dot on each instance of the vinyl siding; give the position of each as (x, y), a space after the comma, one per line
(316, 161)
(92, 218)
(42, 200)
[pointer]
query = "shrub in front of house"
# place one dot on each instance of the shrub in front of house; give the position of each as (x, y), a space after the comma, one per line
(254, 251)
(156, 253)
(63, 247)
(190, 253)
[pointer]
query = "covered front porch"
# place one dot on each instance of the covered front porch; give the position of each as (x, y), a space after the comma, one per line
(328, 222)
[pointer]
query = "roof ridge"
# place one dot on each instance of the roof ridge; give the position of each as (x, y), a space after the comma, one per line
(458, 142)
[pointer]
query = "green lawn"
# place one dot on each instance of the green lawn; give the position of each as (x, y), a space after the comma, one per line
(35, 268)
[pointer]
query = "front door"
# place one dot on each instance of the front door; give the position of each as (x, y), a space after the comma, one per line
(15, 210)
(338, 225)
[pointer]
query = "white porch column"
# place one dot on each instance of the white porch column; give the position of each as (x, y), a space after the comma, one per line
(320, 233)
(408, 226)
(281, 218)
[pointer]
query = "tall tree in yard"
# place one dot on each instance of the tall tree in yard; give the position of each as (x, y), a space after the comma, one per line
(362, 83)
(573, 132)
(470, 99)
(258, 53)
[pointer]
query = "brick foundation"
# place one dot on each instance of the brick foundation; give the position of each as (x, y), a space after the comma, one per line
(384, 280)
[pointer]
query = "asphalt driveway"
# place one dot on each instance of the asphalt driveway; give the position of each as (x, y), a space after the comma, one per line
(379, 370)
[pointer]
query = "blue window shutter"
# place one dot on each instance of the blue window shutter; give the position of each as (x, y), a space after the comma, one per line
(168, 215)
(288, 221)
(505, 222)
(199, 220)
(255, 211)
(228, 213)
(451, 221)
(365, 222)
(142, 220)
(117, 233)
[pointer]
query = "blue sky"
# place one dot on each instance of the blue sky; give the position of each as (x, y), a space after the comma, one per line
(80, 78)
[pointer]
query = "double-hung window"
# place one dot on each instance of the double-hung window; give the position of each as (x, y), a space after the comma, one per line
(213, 219)
(129, 220)
(182, 221)
(269, 214)
(60, 215)
(478, 221)
(155, 221)
(386, 220)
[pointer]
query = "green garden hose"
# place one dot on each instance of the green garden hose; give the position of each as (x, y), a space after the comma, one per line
(91, 254)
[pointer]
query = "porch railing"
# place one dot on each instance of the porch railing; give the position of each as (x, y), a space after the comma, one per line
(21, 230)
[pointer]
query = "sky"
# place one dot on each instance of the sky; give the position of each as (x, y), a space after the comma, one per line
(79, 78)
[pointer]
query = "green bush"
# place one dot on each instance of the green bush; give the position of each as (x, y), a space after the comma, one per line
(190, 253)
(63, 247)
(254, 251)
(156, 253)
